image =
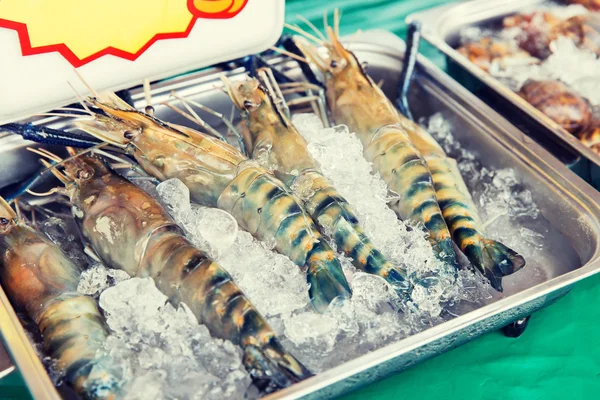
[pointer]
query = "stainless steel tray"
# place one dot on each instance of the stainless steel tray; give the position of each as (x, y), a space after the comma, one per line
(441, 26)
(566, 201)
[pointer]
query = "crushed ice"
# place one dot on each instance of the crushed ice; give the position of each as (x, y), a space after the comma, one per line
(211, 229)
(97, 278)
(165, 353)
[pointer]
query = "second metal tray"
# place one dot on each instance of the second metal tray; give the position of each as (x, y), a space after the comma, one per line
(441, 27)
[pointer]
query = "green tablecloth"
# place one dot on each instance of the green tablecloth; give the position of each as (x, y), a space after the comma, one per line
(558, 357)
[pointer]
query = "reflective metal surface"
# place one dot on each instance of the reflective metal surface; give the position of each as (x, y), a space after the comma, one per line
(568, 204)
(6, 366)
(441, 27)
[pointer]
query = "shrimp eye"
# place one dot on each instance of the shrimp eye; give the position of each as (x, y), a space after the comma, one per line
(333, 64)
(4, 221)
(248, 104)
(83, 174)
(128, 135)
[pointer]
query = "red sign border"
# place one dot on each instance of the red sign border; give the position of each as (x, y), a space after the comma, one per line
(222, 15)
(27, 49)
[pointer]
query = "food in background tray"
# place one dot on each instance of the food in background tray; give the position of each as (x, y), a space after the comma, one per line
(562, 81)
(590, 4)
(558, 102)
(488, 51)
(539, 29)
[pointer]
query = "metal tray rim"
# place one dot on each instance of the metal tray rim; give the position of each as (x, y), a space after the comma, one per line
(432, 21)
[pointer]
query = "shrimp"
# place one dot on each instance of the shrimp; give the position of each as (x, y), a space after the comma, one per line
(354, 100)
(129, 230)
(413, 164)
(275, 139)
(219, 175)
(41, 280)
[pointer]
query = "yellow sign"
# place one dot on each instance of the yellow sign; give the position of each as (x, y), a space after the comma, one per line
(84, 30)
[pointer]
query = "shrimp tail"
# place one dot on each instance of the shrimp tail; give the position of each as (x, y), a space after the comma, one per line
(444, 250)
(272, 368)
(326, 277)
(494, 260)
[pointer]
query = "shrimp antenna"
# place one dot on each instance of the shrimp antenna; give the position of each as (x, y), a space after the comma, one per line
(181, 112)
(221, 88)
(80, 98)
(186, 103)
(209, 110)
(43, 194)
(45, 153)
(59, 175)
(51, 114)
(325, 24)
(312, 26)
(336, 21)
(148, 96)
(52, 168)
(227, 123)
(289, 54)
(231, 117)
(51, 156)
(274, 93)
(8, 207)
(17, 208)
(302, 32)
(73, 154)
(73, 109)
(87, 85)
(113, 157)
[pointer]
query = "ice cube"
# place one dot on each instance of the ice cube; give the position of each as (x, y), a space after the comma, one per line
(211, 229)
(163, 351)
(255, 268)
(576, 67)
(97, 278)
(176, 195)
